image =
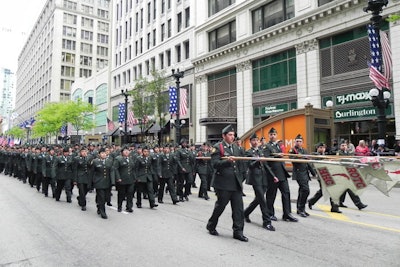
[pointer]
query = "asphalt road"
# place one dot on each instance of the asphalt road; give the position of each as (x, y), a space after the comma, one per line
(37, 231)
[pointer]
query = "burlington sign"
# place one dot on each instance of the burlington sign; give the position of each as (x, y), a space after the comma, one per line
(367, 112)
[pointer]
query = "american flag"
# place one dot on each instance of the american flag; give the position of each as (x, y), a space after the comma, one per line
(131, 119)
(173, 101)
(110, 124)
(378, 54)
(63, 129)
(121, 112)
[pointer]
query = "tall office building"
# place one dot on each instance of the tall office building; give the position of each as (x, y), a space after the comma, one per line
(69, 40)
(6, 96)
(152, 35)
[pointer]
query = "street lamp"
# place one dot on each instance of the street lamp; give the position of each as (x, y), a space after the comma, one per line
(177, 75)
(379, 98)
(125, 94)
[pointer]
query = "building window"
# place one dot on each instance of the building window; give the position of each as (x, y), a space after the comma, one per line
(66, 84)
(168, 57)
(187, 17)
(186, 44)
(154, 37)
(87, 9)
(69, 19)
(102, 13)
(272, 13)
(148, 41)
(162, 6)
(86, 48)
(85, 73)
(274, 71)
(69, 31)
(141, 18)
(169, 4)
(87, 23)
(161, 57)
(68, 44)
(69, 4)
(101, 63)
(154, 9)
(148, 12)
(178, 53)
(68, 57)
(222, 100)
(102, 38)
(67, 71)
(102, 26)
(214, 6)
(153, 64)
(86, 61)
(222, 36)
(87, 35)
(179, 20)
(162, 32)
(102, 51)
(169, 28)
(137, 22)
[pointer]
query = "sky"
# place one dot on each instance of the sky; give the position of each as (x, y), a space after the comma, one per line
(17, 18)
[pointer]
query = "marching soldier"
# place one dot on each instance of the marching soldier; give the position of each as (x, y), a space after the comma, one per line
(203, 168)
(186, 161)
(63, 174)
(167, 164)
(102, 178)
(301, 175)
(144, 178)
(155, 168)
(257, 177)
(270, 149)
(228, 184)
(124, 179)
(81, 167)
(47, 171)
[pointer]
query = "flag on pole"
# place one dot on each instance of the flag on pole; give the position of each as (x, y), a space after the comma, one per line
(183, 102)
(172, 100)
(121, 112)
(376, 74)
(63, 130)
(110, 124)
(131, 119)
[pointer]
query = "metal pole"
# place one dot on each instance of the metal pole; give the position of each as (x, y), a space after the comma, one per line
(375, 6)
(125, 94)
(177, 75)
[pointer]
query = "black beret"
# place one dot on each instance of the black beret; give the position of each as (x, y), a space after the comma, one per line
(299, 137)
(253, 135)
(320, 144)
(227, 129)
(272, 130)
(102, 150)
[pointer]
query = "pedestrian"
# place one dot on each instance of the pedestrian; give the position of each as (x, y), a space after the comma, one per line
(227, 183)
(257, 177)
(272, 149)
(48, 178)
(203, 168)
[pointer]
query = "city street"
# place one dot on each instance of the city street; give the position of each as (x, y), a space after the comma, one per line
(38, 231)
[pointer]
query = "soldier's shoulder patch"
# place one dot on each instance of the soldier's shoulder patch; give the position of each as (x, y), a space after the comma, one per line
(213, 150)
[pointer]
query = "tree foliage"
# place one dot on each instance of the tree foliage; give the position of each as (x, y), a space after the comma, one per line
(16, 132)
(53, 116)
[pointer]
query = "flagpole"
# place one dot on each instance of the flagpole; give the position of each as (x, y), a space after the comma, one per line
(177, 75)
(125, 94)
(379, 98)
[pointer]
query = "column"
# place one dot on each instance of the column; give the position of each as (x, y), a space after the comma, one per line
(395, 45)
(244, 93)
(201, 108)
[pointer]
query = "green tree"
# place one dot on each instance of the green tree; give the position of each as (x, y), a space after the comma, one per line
(48, 120)
(16, 132)
(142, 106)
(79, 114)
(157, 87)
